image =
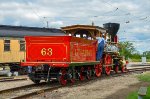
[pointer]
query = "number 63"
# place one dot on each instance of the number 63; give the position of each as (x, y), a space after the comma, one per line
(45, 51)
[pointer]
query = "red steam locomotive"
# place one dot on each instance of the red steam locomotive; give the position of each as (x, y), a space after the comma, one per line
(67, 58)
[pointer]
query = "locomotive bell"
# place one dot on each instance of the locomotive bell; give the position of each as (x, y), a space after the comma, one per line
(112, 28)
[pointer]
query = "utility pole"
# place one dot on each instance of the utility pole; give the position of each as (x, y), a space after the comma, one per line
(47, 24)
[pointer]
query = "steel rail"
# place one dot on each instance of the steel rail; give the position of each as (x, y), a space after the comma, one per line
(16, 79)
(41, 91)
(144, 69)
(19, 88)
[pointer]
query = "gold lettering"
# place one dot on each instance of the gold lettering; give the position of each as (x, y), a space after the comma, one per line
(45, 52)
(50, 52)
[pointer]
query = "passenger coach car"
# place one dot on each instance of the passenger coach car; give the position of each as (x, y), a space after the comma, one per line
(12, 43)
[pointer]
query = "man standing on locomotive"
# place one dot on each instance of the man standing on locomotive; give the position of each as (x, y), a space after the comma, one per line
(101, 45)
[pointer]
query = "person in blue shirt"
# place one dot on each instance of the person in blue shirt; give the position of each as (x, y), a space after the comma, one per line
(100, 49)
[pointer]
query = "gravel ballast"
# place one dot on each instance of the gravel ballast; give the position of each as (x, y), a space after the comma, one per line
(97, 89)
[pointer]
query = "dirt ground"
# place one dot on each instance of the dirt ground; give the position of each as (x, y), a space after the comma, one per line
(103, 88)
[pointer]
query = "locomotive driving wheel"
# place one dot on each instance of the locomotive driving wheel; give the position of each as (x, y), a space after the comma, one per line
(62, 78)
(108, 63)
(98, 70)
(116, 69)
(123, 69)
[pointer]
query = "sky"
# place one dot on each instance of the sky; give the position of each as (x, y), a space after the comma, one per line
(133, 16)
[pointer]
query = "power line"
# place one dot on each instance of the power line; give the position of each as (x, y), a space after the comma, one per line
(34, 11)
(126, 13)
(94, 16)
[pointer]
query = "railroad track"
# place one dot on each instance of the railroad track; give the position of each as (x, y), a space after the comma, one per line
(138, 69)
(19, 91)
(12, 79)
(41, 92)
(25, 92)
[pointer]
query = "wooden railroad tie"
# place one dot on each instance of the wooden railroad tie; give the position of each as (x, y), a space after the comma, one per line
(41, 92)
(142, 92)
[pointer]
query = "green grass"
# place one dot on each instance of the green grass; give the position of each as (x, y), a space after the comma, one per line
(136, 60)
(134, 95)
(148, 60)
(145, 78)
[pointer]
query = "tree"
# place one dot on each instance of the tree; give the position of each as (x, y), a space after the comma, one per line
(136, 55)
(146, 54)
(126, 49)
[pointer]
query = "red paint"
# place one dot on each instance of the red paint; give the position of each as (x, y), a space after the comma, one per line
(123, 69)
(116, 39)
(98, 70)
(107, 70)
(53, 64)
(58, 51)
(108, 59)
(116, 69)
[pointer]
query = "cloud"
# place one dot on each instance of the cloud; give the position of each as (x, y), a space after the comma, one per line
(133, 16)
(57, 24)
